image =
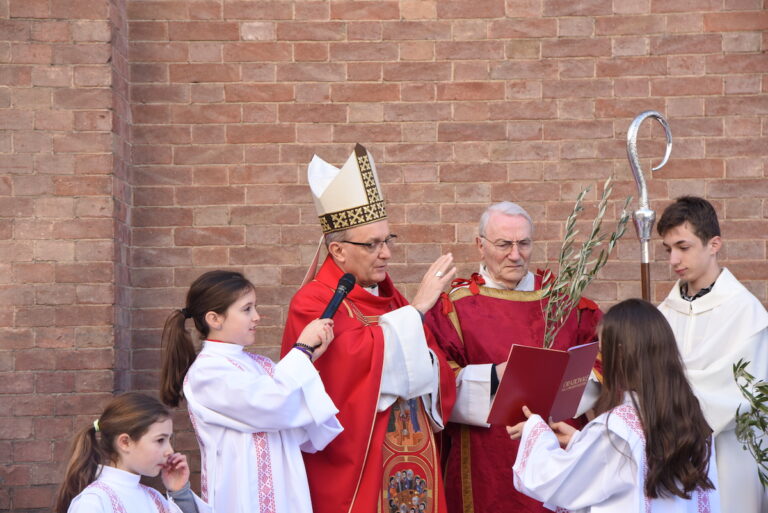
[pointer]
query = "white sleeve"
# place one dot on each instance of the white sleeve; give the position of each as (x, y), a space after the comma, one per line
(590, 395)
(407, 370)
(588, 472)
(220, 394)
(473, 395)
(716, 387)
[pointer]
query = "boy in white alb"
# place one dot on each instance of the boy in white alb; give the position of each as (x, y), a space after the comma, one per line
(716, 322)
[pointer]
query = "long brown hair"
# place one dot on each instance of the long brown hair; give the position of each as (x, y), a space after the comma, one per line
(640, 355)
(214, 291)
(131, 413)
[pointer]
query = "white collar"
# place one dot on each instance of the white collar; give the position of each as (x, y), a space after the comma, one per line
(725, 286)
(526, 283)
(117, 477)
(223, 348)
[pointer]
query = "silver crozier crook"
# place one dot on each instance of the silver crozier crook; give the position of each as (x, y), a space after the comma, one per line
(645, 217)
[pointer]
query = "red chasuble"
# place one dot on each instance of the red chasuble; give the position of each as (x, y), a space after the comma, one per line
(478, 325)
(381, 460)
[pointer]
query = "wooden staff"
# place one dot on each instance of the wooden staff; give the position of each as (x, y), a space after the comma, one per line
(644, 217)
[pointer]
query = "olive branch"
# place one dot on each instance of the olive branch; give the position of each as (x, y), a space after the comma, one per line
(752, 424)
(577, 269)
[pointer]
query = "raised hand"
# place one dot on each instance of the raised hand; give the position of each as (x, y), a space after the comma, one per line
(175, 472)
(435, 280)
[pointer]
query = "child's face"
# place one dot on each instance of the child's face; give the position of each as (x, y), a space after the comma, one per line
(238, 325)
(693, 261)
(147, 455)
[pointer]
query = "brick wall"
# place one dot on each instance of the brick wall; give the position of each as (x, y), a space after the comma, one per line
(122, 179)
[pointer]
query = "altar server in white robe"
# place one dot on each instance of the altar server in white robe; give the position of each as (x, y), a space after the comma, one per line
(650, 448)
(716, 322)
(252, 417)
(129, 440)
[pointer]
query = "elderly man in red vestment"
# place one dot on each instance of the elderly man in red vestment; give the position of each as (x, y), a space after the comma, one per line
(391, 383)
(475, 325)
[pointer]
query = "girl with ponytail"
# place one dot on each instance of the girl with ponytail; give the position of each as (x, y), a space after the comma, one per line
(129, 440)
(252, 417)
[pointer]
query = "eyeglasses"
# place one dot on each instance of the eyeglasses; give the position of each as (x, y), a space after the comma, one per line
(507, 245)
(376, 246)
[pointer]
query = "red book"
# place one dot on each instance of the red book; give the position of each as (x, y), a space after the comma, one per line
(548, 381)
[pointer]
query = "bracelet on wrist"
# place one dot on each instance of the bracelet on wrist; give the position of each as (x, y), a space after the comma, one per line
(309, 348)
(304, 350)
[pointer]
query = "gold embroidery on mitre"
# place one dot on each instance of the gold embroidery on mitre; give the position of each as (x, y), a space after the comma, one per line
(370, 212)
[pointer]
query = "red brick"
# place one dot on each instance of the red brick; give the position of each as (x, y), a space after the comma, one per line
(257, 52)
(473, 173)
(576, 47)
(478, 9)
(194, 114)
(84, 229)
(629, 25)
(82, 185)
(469, 50)
(52, 31)
(83, 273)
(373, 10)
(628, 66)
(310, 31)
(531, 69)
(311, 72)
(366, 132)
(577, 89)
(685, 6)
(732, 64)
(416, 30)
(258, 93)
(203, 31)
(523, 28)
(729, 147)
(471, 91)
(583, 8)
(29, 9)
(53, 338)
(577, 130)
(214, 236)
(82, 98)
(405, 71)
(364, 92)
(524, 150)
(147, 31)
(203, 72)
(247, 10)
(735, 21)
(471, 131)
(685, 44)
(208, 154)
(686, 86)
(158, 52)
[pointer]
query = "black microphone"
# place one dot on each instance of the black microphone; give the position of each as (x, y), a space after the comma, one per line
(346, 283)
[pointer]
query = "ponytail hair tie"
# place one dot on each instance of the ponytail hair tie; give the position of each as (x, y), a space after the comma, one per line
(186, 313)
(96, 425)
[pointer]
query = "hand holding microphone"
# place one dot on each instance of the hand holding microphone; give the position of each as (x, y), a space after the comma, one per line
(317, 335)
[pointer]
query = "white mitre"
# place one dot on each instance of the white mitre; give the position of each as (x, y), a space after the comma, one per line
(346, 197)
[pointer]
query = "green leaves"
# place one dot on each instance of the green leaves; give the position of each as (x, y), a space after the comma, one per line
(752, 424)
(577, 269)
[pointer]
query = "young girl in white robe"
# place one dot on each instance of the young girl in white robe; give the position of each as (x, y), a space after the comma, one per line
(648, 451)
(252, 417)
(129, 440)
